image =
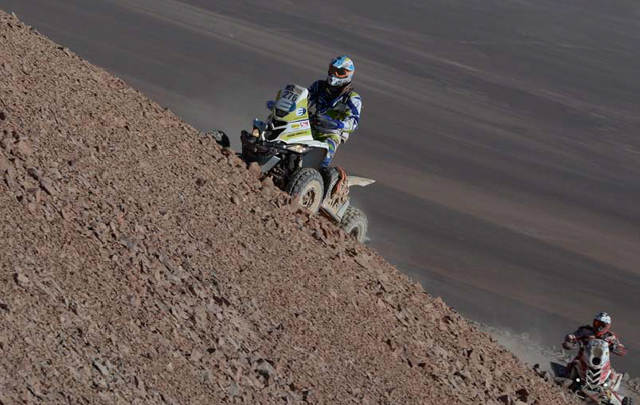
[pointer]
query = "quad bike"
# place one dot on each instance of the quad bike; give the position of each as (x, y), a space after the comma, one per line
(592, 378)
(284, 148)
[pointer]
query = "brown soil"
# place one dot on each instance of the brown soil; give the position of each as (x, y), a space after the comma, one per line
(140, 263)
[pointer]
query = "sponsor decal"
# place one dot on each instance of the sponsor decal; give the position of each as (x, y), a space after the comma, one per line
(297, 134)
(301, 111)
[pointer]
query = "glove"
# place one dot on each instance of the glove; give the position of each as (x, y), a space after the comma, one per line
(569, 342)
(327, 122)
(270, 104)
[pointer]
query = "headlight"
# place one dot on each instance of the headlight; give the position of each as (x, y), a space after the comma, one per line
(297, 148)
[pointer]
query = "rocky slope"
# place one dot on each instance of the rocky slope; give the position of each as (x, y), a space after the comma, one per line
(140, 263)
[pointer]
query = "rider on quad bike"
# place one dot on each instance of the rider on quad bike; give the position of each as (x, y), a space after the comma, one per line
(294, 145)
(598, 330)
(334, 108)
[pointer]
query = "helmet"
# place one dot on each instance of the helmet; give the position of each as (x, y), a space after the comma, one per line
(601, 323)
(340, 71)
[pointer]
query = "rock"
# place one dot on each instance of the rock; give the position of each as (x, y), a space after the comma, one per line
(47, 185)
(119, 122)
(523, 394)
(232, 160)
(7, 144)
(101, 384)
(235, 200)
(363, 262)
(140, 384)
(168, 399)
(267, 183)
(200, 182)
(4, 164)
(34, 173)
(8, 179)
(195, 356)
(234, 390)
(7, 67)
(100, 367)
(55, 174)
(23, 149)
(21, 279)
(65, 50)
(294, 207)
(267, 192)
(66, 213)
(254, 169)
(506, 399)
(265, 369)
(33, 208)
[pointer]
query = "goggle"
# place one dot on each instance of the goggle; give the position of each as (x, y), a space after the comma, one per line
(339, 72)
(599, 325)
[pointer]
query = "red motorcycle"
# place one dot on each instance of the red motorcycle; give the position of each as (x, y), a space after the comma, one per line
(592, 378)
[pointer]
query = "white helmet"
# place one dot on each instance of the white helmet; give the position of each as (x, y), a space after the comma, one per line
(341, 71)
(601, 323)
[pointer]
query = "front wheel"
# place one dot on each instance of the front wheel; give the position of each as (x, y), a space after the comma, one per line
(355, 223)
(307, 188)
(628, 401)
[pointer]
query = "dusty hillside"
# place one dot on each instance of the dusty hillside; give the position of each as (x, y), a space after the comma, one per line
(142, 264)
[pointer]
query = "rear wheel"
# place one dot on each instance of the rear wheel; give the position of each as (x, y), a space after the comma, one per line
(355, 223)
(307, 188)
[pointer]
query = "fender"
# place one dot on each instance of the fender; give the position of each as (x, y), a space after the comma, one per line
(359, 181)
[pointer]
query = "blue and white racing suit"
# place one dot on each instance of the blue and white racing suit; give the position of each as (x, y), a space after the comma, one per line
(333, 119)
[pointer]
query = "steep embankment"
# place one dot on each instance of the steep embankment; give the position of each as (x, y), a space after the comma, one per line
(142, 264)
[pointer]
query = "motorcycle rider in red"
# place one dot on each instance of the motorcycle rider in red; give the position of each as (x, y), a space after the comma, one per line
(600, 329)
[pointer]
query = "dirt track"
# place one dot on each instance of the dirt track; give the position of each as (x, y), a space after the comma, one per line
(141, 264)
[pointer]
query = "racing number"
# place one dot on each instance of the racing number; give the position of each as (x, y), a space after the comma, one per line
(289, 95)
